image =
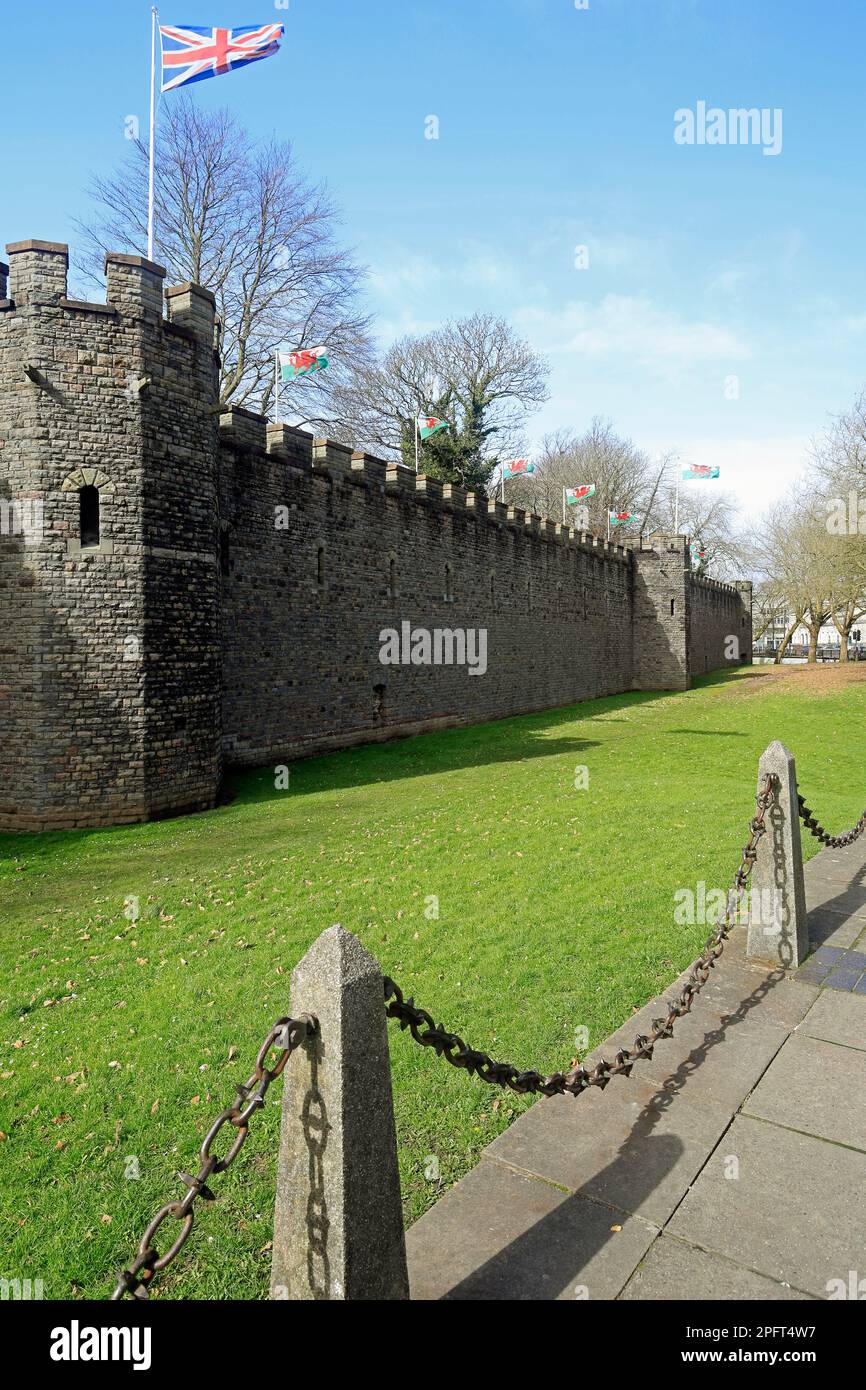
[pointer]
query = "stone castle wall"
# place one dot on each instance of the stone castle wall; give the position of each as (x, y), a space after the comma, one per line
(233, 608)
(109, 655)
(367, 548)
(324, 550)
(718, 613)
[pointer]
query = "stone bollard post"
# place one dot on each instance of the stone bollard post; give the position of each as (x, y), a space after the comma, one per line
(778, 930)
(338, 1223)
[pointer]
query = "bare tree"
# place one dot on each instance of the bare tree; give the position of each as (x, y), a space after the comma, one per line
(710, 516)
(475, 372)
(800, 564)
(839, 465)
(779, 578)
(616, 467)
(239, 217)
(769, 609)
(626, 479)
(839, 471)
(840, 456)
(847, 608)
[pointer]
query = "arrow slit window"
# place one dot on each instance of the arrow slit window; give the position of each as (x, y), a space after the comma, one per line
(88, 517)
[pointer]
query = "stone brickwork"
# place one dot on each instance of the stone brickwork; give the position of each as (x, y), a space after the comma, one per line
(719, 613)
(367, 548)
(109, 653)
(234, 602)
(660, 613)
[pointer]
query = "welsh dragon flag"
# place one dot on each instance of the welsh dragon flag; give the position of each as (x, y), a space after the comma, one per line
(622, 518)
(430, 424)
(302, 362)
(573, 495)
(517, 468)
(693, 471)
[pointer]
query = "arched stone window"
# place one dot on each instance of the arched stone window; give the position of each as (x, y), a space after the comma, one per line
(87, 523)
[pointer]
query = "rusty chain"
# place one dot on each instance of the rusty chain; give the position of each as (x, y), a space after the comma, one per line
(833, 841)
(451, 1046)
(285, 1035)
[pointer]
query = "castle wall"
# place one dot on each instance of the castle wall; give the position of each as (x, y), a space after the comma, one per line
(182, 591)
(717, 613)
(22, 615)
(368, 549)
(244, 575)
(74, 730)
(660, 614)
(108, 708)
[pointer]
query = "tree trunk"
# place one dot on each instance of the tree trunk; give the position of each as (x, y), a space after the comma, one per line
(785, 643)
(813, 644)
(843, 623)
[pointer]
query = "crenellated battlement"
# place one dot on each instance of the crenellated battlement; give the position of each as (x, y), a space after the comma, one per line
(208, 586)
(37, 272)
(110, 681)
(704, 581)
(339, 463)
(36, 277)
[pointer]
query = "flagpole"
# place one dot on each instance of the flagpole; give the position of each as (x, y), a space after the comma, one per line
(677, 503)
(416, 441)
(150, 151)
(277, 384)
(564, 522)
(502, 484)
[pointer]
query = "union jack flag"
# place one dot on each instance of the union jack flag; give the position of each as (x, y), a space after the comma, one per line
(190, 53)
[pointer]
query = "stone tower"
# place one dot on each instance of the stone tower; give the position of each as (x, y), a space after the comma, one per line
(110, 667)
(660, 619)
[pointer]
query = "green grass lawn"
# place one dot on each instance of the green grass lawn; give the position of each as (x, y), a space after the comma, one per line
(555, 911)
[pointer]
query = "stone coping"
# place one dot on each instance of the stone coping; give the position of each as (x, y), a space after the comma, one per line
(139, 262)
(190, 287)
(54, 248)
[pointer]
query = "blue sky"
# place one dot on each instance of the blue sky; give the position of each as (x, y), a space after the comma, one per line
(556, 130)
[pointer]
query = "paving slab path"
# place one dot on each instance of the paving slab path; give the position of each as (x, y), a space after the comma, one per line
(730, 1166)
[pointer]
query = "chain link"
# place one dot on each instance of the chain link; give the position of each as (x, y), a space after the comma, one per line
(286, 1035)
(833, 841)
(451, 1046)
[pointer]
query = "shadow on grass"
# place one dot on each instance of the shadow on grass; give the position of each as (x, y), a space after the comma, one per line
(515, 739)
(503, 741)
(729, 675)
(708, 733)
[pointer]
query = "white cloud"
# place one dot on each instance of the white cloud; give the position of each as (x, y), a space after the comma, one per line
(728, 279)
(388, 330)
(757, 470)
(398, 275)
(627, 327)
